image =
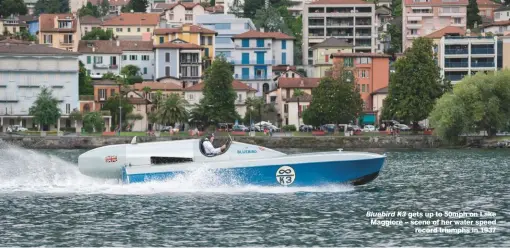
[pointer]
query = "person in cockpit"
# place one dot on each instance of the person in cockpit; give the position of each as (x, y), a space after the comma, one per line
(209, 147)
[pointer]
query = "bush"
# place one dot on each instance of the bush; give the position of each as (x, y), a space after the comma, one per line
(68, 129)
(93, 121)
(289, 128)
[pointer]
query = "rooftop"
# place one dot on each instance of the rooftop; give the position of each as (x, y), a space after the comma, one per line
(113, 46)
(178, 44)
(436, 3)
(111, 2)
(90, 20)
(258, 34)
(338, 2)
(237, 85)
(184, 29)
(20, 47)
(303, 98)
(371, 55)
(446, 31)
(332, 42)
(298, 82)
(47, 22)
(133, 19)
(157, 86)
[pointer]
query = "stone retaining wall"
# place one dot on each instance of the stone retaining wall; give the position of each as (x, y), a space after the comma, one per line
(55, 142)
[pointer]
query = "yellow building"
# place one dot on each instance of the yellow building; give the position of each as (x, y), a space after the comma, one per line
(322, 51)
(59, 31)
(132, 26)
(190, 33)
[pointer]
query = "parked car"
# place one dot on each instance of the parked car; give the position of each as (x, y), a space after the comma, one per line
(240, 128)
(402, 127)
(305, 128)
(369, 128)
(16, 128)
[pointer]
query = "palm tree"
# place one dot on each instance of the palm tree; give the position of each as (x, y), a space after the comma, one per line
(199, 115)
(298, 92)
(172, 110)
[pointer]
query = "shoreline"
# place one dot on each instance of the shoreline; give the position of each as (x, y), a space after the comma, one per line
(320, 142)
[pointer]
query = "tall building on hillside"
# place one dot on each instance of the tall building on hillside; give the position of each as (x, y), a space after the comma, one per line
(226, 26)
(255, 55)
(59, 31)
(352, 20)
(422, 17)
(462, 56)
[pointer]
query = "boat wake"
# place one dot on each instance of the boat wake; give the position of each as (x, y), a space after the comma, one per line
(24, 170)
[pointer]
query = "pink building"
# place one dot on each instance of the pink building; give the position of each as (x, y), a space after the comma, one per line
(422, 17)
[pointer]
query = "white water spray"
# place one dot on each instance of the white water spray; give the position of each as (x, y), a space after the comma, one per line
(23, 170)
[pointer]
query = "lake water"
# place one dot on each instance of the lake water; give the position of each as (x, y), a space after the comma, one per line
(45, 201)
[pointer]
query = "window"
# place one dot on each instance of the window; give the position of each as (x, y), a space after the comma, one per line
(145, 70)
(457, 20)
(148, 29)
(167, 57)
(347, 61)
(145, 57)
(65, 24)
(124, 57)
(209, 40)
(363, 74)
(221, 26)
(284, 44)
(246, 43)
(167, 71)
(48, 39)
(98, 59)
(363, 60)
(118, 29)
(133, 57)
(414, 31)
(161, 40)
(362, 88)
(112, 92)
(102, 94)
(138, 30)
(68, 38)
(260, 42)
(286, 108)
(190, 96)
(89, 59)
(188, 17)
(496, 16)
(129, 29)
(223, 40)
(68, 108)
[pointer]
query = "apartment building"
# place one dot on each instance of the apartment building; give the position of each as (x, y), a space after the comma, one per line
(181, 13)
(226, 26)
(297, 6)
(104, 56)
(192, 34)
(179, 60)
(422, 17)
(371, 73)
(194, 93)
(461, 56)
(132, 26)
(24, 69)
(59, 31)
(352, 20)
(255, 55)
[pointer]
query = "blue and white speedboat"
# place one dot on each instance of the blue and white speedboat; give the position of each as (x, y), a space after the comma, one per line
(249, 164)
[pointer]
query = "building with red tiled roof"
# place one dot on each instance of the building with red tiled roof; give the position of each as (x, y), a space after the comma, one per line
(370, 73)
(255, 55)
(181, 13)
(193, 94)
(59, 31)
(486, 8)
(133, 26)
(351, 20)
(110, 56)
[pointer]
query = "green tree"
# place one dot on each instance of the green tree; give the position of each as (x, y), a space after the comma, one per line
(212, 2)
(75, 116)
(25, 35)
(90, 10)
(112, 104)
(473, 17)
(395, 32)
(298, 92)
(270, 19)
(84, 81)
(45, 109)
(51, 7)
(199, 115)
(93, 122)
(218, 91)
(336, 100)
(396, 8)
(12, 7)
(104, 9)
(136, 6)
(173, 110)
(98, 34)
(477, 103)
(416, 84)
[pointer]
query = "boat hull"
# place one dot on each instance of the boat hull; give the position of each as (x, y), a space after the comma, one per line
(355, 172)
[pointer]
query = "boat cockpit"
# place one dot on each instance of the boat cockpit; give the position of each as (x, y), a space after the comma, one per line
(202, 149)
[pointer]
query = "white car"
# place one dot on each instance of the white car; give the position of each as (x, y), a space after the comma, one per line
(369, 128)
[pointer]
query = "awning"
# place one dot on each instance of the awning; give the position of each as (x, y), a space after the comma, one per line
(368, 119)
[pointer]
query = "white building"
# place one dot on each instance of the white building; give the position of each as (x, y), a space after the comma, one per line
(194, 93)
(351, 20)
(226, 26)
(255, 55)
(24, 69)
(297, 6)
(181, 13)
(461, 56)
(103, 56)
(180, 60)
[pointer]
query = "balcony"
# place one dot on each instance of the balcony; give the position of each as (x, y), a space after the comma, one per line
(66, 43)
(482, 51)
(190, 77)
(189, 61)
(454, 77)
(459, 14)
(456, 64)
(101, 98)
(265, 47)
(456, 51)
(253, 62)
(256, 77)
(114, 66)
(105, 66)
(482, 64)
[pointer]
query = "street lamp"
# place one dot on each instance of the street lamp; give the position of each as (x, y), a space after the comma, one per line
(299, 112)
(120, 109)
